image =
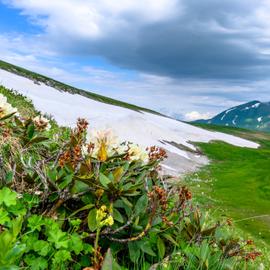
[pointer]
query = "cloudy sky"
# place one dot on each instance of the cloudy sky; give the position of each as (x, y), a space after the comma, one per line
(187, 58)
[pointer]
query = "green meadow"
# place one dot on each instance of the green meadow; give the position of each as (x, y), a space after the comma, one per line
(237, 182)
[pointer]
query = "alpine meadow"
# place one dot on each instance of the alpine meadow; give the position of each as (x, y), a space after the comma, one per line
(134, 135)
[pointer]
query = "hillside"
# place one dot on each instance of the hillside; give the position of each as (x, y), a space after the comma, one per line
(38, 78)
(254, 115)
(70, 203)
(139, 126)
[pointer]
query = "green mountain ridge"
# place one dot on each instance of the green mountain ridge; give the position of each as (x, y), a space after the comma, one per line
(254, 115)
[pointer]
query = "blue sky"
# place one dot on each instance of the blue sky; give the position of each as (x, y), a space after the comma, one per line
(187, 58)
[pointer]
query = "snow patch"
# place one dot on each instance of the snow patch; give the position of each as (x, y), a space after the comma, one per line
(256, 105)
(143, 128)
(234, 120)
(225, 113)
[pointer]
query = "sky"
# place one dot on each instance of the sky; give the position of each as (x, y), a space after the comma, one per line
(189, 59)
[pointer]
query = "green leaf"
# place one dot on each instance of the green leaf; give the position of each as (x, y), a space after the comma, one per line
(134, 251)
(61, 256)
(141, 205)
(86, 207)
(146, 248)
(66, 181)
(104, 180)
(4, 217)
(7, 197)
(76, 244)
(30, 131)
(35, 222)
(127, 202)
(109, 263)
(92, 222)
(9, 177)
(37, 140)
(36, 263)
(117, 216)
(42, 247)
(59, 238)
(161, 247)
(169, 238)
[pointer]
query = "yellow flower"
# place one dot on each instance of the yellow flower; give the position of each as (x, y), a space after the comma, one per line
(103, 208)
(109, 221)
(101, 213)
(103, 218)
(102, 152)
(99, 192)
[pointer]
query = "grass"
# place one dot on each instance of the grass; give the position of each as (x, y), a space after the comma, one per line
(238, 181)
(24, 105)
(67, 88)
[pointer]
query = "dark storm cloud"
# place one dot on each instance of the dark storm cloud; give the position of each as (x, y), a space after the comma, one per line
(207, 39)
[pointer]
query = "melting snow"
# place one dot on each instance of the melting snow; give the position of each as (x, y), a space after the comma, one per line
(256, 105)
(140, 127)
(224, 115)
(234, 120)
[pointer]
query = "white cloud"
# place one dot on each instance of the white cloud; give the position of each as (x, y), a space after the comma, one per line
(194, 115)
(94, 19)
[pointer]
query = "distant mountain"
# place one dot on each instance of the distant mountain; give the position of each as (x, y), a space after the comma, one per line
(252, 115)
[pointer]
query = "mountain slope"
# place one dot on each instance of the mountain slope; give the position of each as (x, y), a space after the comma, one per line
(38, 78)
(252, 115)
(142, 127)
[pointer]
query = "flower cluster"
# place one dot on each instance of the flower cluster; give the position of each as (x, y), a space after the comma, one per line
(41, 123)
(104, 144)
(135, 152)
(156, 153)
(103, 218)
(5, 108)
(162, 197)
(252, 255)
(184, 195)
(72, 156)
(82, 125)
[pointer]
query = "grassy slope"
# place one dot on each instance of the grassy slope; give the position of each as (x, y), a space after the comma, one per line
(239, 180)
(24, 106)
(67, 88)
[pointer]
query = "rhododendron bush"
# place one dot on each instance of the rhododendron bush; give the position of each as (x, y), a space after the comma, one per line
(73, 199)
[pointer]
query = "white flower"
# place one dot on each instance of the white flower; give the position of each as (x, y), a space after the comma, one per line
(5, 107)
(106, 144)
(137, 153)
(42, 123)
(104, 138)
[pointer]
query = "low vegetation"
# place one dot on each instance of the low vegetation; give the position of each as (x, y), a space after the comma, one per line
(69, 200)
(237, 182)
